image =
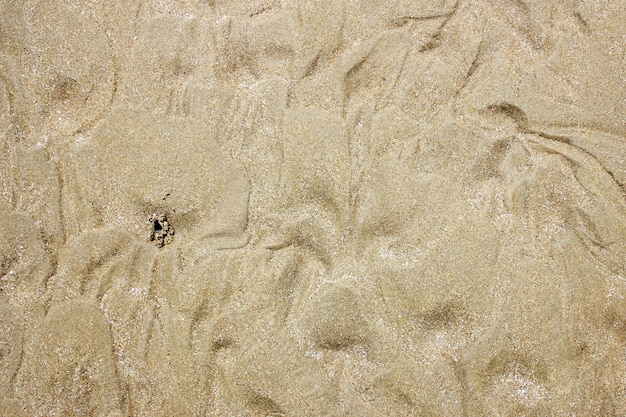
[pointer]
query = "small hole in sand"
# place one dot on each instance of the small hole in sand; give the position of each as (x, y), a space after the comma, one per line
(161, 231)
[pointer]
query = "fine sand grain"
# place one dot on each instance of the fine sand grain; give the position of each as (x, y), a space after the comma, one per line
(312, 208)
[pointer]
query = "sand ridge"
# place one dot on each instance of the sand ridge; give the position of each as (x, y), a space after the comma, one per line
(312, 208)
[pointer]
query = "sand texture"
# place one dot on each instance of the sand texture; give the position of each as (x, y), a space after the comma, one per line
(342, 208)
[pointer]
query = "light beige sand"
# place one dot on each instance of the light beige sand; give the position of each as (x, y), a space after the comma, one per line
(312, 208)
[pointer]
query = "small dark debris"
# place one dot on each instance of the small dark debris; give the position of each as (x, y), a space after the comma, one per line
(221, 343)
(161, 231)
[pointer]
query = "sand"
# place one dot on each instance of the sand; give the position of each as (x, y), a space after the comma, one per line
(312, 208)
